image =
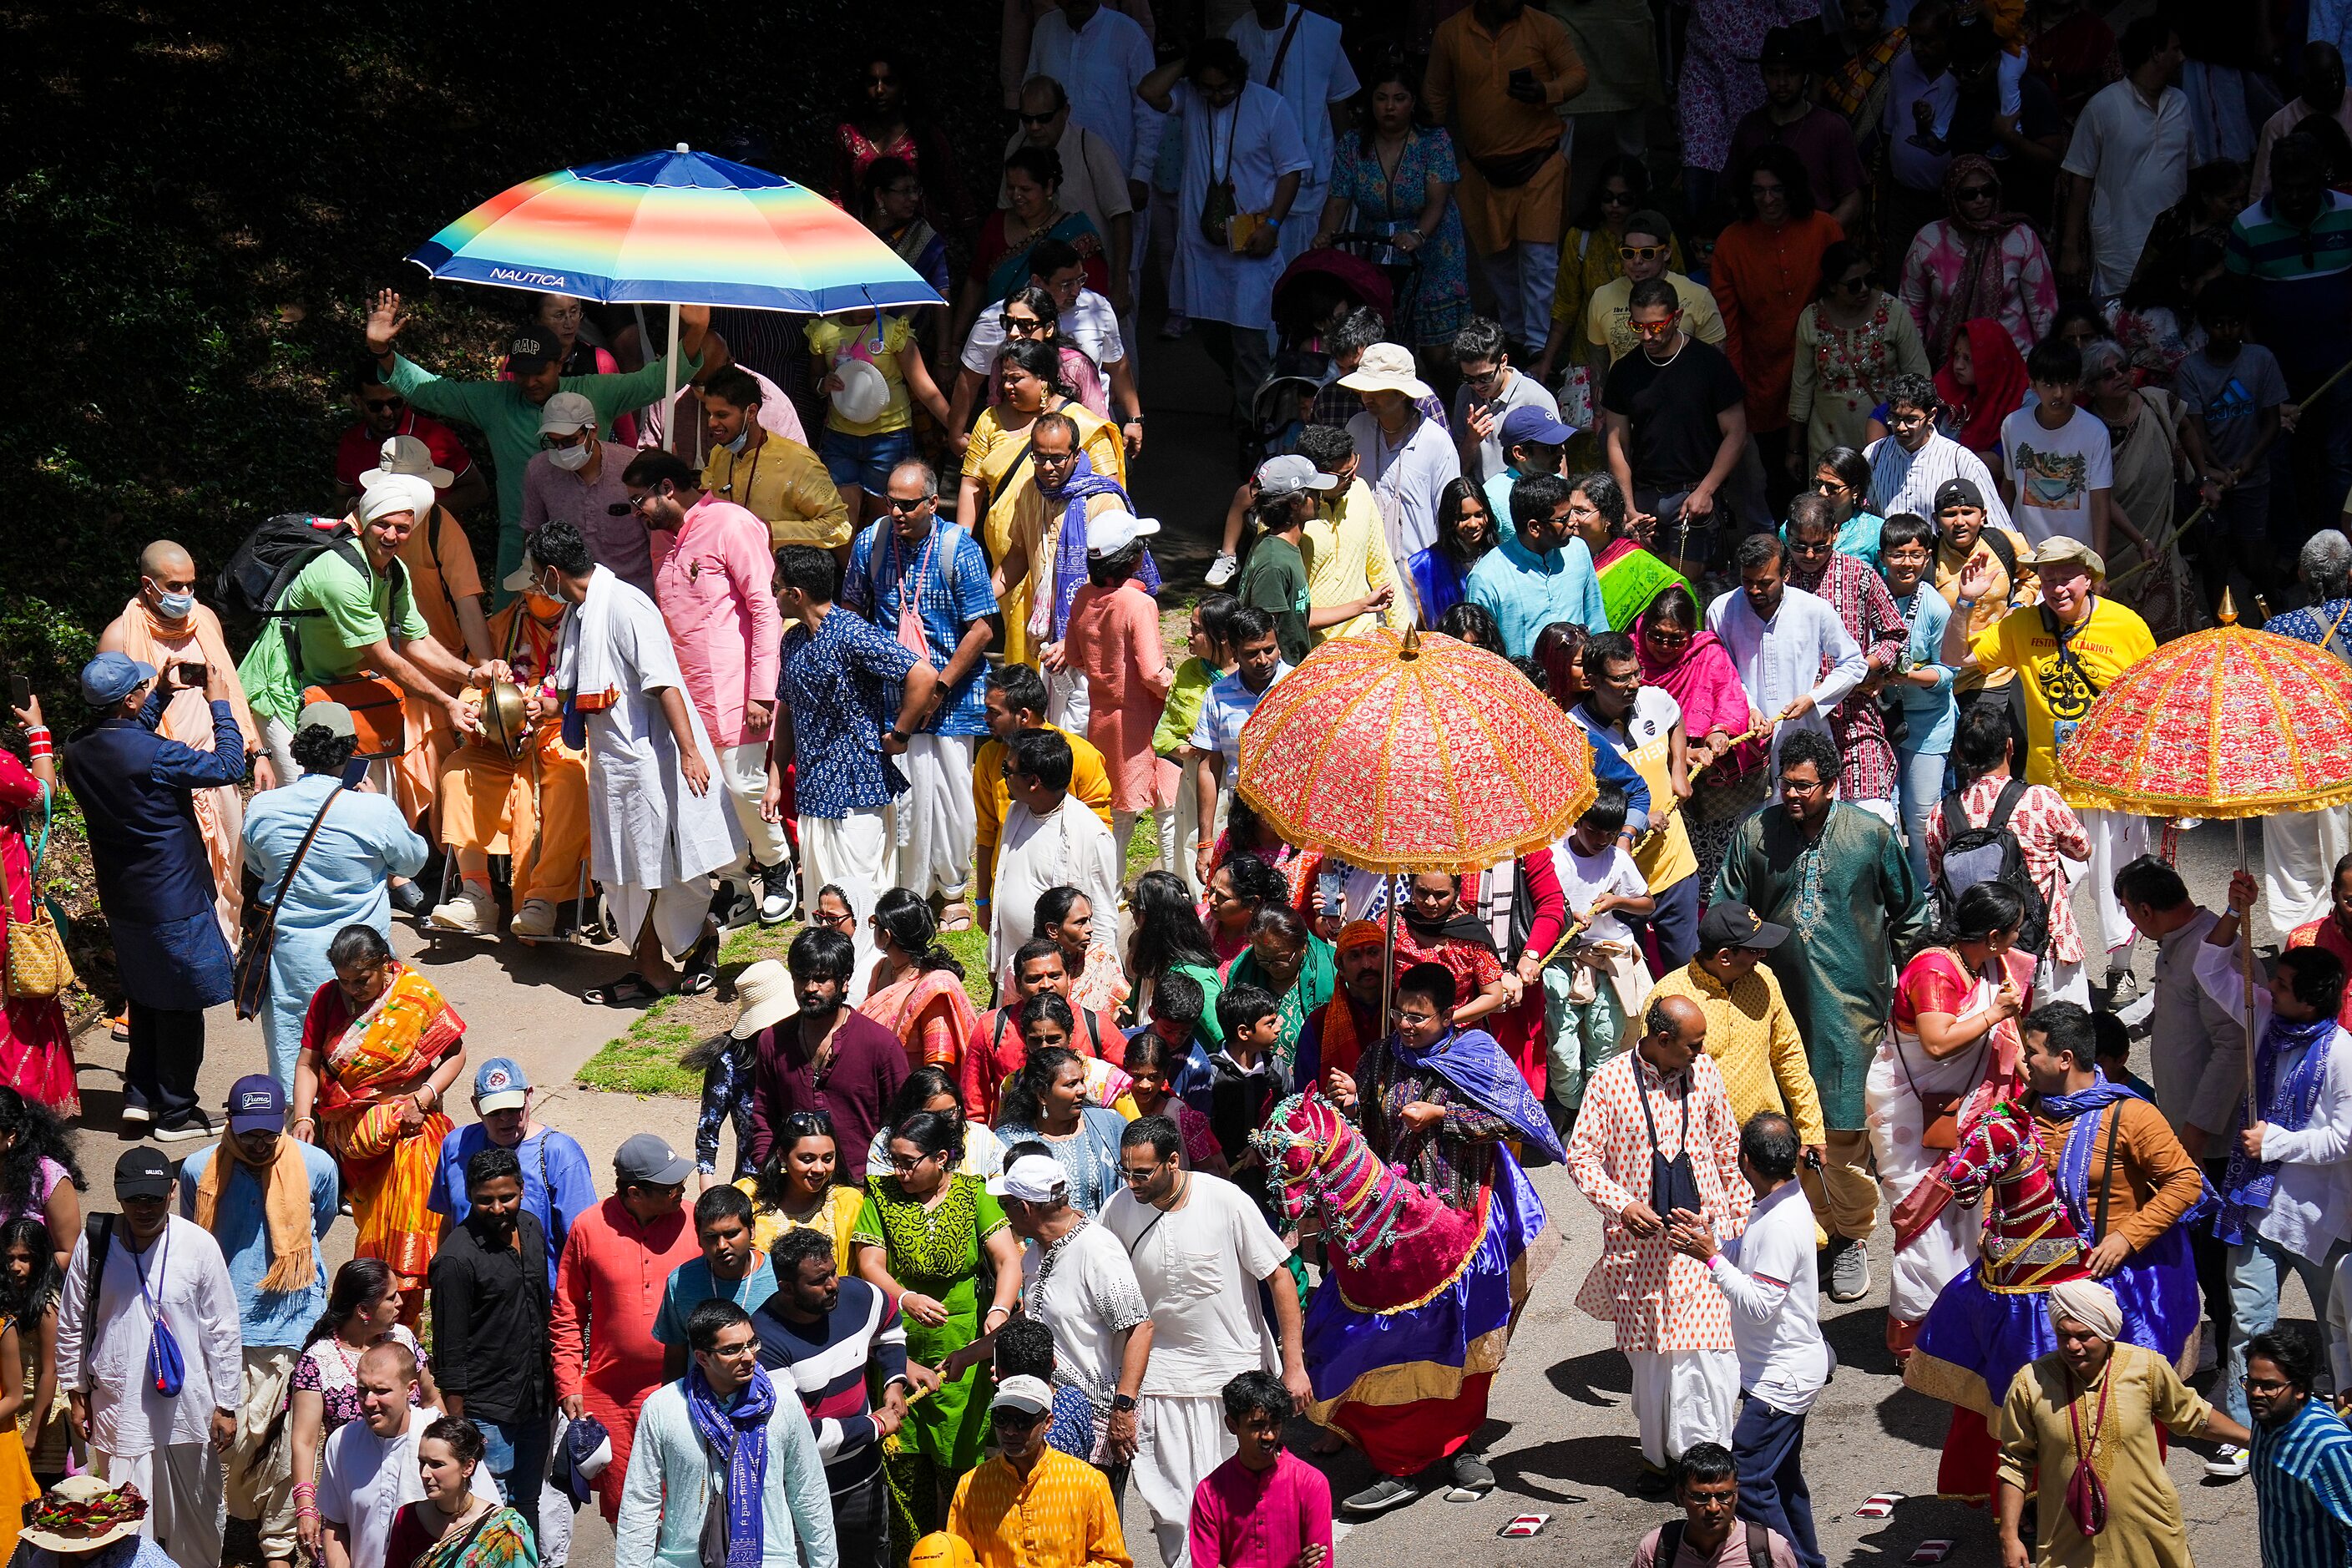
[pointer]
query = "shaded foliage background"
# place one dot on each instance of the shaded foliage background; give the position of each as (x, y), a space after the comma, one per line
(195, 200)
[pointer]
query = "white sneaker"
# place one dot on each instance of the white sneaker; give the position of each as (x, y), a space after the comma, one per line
(2229, 1463)
(1221, 570)
(472, 912)
(535, 922)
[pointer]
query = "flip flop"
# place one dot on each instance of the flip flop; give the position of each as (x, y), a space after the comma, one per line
(700, 974)
(630, 990)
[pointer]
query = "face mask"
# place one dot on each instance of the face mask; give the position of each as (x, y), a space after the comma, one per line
(174, 607)
(742, 439)
(571, 460)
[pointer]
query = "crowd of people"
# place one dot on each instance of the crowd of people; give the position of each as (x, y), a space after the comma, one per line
(1822, 466)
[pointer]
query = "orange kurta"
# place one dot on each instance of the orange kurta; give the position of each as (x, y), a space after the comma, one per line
(1113, 639)
(1763, 279)
(441, 571)
(1467, 84)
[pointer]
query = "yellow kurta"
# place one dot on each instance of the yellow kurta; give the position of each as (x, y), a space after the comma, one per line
(2144, 1526)
(782, 483)
(1755, 1046)
(1347, 552)
(835, 1218)
(1018, 512)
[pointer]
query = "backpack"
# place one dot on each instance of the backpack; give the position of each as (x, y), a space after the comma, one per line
(1670, 1543)
(1991, 854)
(257, 575)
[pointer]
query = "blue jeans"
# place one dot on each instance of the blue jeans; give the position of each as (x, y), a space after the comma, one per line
(864, 461)
(1674, 924)
(1919, 785)
(516, 1453)
(2255, 1270)
(1768, 1452)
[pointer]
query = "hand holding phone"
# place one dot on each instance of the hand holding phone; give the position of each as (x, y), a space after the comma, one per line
(20, 691)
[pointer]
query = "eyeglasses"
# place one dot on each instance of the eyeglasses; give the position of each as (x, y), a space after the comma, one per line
(1039, 119)
(1131, 1176)
(900, 1161)
(1616, 198)
(632, 505)
(558, 443)
(1856, 285)
(1976, 193)
(1005, 1416)
(1640, 252)
(1657, 329)
(908, 508)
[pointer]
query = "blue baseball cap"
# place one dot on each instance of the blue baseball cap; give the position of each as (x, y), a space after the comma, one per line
(500, 1084)
(587, 1451)
(1531, 422)
(111, 677)
(256, 1104)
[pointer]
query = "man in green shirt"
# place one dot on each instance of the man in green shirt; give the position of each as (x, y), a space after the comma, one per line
(1276, 580)
(506, 412)
(361, 620)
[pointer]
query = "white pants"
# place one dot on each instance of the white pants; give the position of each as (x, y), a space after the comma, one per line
(182, 1484)
(1522, 276)
(1683, 1398)
(2057, 981)
(934, 825)
(678, 910)
(1882, 809)
(1066, 700)
(848, 852)
(744, 770)
(2117, 838)
(554, 1508)
(2300, 849)
(1180, 1438)
(1179, 836)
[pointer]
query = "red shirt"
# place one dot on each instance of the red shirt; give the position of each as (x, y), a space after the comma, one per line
(614, 1270)
(2324, 932)
(996, 1054)
(362, 449)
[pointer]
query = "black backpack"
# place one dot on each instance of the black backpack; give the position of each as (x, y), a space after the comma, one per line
(1991, 854)
(274, 554)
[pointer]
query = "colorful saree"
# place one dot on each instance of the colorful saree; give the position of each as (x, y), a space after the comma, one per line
(1631, 576)
(367, 1066)
(930, 1013)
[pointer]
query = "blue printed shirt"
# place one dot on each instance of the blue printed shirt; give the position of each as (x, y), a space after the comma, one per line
(2303, 1486)
(1931, 712)
(951, 594)
(559, 1186)
(839, 683)
(271, 1319)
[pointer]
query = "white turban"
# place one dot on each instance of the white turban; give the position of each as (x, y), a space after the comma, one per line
(2089, 1303)
(388, 494)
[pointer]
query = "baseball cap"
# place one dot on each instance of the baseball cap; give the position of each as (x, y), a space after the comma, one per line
(1533, 422)
(409, 455)
(647, 1159)
(1784, 46)
(1730, 923)
(256, 1104)
(564, 413)
(1958, 492)
(333, 717)
(586, 1453)
(111, 677)
(1033, 1179)
(1289, 474)
(1029, 1394)
(531, 350)
(142, 1172)
(500, 1085)
(940, 1550)
(1115, 530)
(2058, 550)
(1652, 222)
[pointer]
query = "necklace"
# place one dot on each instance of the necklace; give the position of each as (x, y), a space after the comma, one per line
(1661, 364)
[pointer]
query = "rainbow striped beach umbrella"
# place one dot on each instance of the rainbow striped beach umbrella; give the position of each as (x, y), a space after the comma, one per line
(674, 228)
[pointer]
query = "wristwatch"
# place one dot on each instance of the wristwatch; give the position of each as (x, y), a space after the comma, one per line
(1122, 1403)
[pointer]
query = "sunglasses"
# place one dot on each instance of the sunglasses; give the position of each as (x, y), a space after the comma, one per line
(1657, 329)
(1976, 193)
(1616, 198)
(1010, 324)
(1131, 1175)
(908, 508)
(382, 405)
(1856, 287)
(1039, 119)
(1640, 252)
(1004, 1415)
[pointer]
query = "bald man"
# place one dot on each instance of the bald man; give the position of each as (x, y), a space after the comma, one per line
(1664, 1097)
(163, 626)
(367, 1471)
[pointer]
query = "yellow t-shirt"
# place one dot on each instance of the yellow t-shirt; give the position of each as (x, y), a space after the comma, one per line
(2058, 689)
(1609, 319)
(885, 337)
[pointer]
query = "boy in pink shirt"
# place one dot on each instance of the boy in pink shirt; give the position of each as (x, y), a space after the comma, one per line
(1265, 1506)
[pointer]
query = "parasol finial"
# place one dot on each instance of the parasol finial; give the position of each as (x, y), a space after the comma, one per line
(2227, 612)
(1411, 646)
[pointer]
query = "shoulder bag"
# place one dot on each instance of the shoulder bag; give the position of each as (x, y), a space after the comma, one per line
(37, 966)
(249, 984)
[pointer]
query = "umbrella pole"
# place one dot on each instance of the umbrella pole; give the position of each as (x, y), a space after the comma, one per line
(2246, 960)
(1388, 959)
(669, 380)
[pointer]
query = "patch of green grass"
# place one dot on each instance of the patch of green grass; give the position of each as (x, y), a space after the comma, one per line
(646, 1060)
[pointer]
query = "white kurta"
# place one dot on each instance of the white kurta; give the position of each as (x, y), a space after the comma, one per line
(1780, 659)
(1067, 848)
(1253, 142)
(187, 1280)
(645, 828)
(1407, 478)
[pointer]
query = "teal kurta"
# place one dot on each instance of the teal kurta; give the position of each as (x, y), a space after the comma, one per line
(1853, 914)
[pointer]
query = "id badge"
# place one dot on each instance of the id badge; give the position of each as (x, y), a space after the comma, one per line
(2062, 730)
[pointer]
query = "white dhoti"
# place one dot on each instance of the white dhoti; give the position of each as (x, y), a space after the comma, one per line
(678, 910)
(182, 1484)
(744, 770)
(848, 852)
(1891, 1101)
(1683, 1398)
(2300, 849)
(2058, 979)
(2117, 838)
(264, 1492)
(934, 825)
(1180, 1438)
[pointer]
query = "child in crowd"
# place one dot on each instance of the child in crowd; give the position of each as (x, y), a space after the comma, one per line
(2112, 1054)
(1211, 646)
(1601, 983)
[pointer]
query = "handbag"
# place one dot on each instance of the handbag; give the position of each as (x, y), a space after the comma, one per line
(249, 982)
(378, 717)
(38, 967)
(1674, 1185)
(167, 1369)
(1940, 1110)
(1509, 173)
(1220, 205)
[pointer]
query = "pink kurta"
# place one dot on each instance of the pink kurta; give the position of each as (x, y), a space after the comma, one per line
(1658, 1299)
(1114, 641)
(36, 1053)
(1260, 1519)
(715, 587)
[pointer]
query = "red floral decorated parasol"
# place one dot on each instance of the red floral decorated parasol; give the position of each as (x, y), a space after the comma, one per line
(1413, 753)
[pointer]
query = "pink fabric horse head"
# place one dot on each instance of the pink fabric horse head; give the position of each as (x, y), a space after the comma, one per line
(1319, 1162)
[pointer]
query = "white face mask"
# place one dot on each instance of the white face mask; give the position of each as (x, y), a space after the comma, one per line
(571, 460)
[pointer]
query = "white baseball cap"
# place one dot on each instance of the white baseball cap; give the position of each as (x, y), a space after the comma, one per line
(1113, 531)
(1024, 1392)
(1033, 1179)
(564, 413)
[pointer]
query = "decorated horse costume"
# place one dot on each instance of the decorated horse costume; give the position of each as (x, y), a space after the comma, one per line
(1992, 1320)
(1413, 1314)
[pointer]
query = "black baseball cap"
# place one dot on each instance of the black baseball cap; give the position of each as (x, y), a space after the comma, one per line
(1958, 492)
(1731, 924)
(142, 1172)
(531, 350)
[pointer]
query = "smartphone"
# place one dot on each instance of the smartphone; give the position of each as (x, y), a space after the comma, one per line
(192, 672)
(1525, 1525)
(20, 691)
(1333, 886)
(1524, 76)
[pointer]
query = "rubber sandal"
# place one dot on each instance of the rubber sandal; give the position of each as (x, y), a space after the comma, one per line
(630, 990)
(698, 974)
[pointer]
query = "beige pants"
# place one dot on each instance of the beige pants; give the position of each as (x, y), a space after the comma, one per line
(1844, 1192)
(264, 1492)
(182, 1484)
(743, 770)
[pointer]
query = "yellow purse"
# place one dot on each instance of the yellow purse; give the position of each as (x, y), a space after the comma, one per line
(37, 965)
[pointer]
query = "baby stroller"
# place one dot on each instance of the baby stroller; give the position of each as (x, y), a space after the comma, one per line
(1312, 293)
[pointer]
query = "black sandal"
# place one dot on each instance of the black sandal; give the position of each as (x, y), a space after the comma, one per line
(698, 972)
(630, 990)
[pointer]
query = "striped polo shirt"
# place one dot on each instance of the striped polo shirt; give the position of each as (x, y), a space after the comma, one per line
(2303, 279)
(827, 1362)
